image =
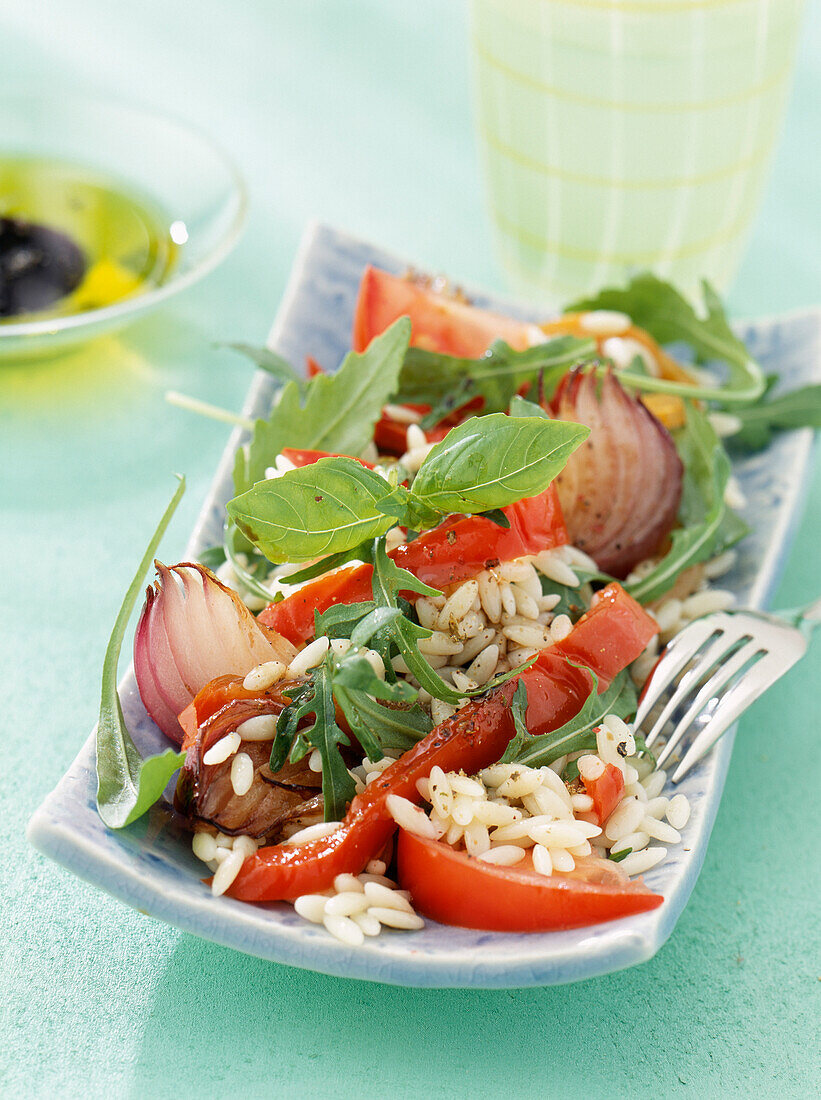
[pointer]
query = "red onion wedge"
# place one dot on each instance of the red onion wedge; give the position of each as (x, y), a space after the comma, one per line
(192, 629)
(621, 488)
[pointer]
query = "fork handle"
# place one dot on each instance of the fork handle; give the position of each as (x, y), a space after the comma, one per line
(807, 618)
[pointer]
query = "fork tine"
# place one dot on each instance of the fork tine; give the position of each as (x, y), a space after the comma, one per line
(735, 702)
(723, 675)
(690, 678)
(678, 653)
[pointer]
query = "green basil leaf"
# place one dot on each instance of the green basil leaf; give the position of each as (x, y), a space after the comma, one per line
(127, 785)
(326, 508)
(659, 309)
(490, 461)
(578, 735)
(571, 600)
(520, 406)
(318, 568)
(339, 413)
(213, 557)
(408, 510)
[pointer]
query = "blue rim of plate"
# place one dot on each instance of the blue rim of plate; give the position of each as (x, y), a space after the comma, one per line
(149, 865)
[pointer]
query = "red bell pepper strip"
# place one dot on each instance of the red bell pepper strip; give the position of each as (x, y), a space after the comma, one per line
(456, 550)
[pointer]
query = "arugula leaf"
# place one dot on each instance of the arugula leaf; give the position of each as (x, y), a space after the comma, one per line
(659, 309)
(316, 700)
(326, 508)
(388, 581)
(490, 461)
(570, 599)
(432, 377)
(800, 408)
(706, 528)
(127, 785)
(339, 413)
(381, 729)
(578, 734)
(272, 362)
(355, 673)
(518, 710)
(340, 619)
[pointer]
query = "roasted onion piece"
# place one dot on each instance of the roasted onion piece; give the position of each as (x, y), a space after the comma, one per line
(192, 629)
(206, 794)
(620, 490)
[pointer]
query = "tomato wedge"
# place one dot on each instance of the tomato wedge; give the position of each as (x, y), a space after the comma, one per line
(606, 791)
(438, 322)
(453, 888)
(457, 549)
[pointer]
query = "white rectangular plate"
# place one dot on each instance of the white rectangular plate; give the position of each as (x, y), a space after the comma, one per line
(150, 866)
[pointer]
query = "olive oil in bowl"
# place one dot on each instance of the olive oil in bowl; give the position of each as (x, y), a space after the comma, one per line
(73, 240)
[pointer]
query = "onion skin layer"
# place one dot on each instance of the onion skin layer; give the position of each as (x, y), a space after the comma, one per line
(192, 629)
(620, 490)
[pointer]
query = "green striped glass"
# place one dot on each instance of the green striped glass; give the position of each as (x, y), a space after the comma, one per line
(626, 135)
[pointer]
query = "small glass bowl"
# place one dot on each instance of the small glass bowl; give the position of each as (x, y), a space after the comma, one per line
(178, 169)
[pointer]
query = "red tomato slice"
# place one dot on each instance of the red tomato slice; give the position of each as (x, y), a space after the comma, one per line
(453, 888)
(438, 323)
(308, 458)
(452, 552)
(606, 791)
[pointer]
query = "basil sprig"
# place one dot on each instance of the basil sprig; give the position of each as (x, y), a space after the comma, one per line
(127, 785)
(336, 504)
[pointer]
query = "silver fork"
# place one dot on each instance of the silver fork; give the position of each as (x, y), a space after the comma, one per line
(716, 667)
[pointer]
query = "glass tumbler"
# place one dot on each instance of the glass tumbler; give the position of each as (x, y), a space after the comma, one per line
(627, 135)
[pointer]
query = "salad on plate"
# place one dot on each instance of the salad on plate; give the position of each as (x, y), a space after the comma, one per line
(402, 687)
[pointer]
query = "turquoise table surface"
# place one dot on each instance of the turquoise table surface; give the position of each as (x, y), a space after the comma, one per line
(357, 113)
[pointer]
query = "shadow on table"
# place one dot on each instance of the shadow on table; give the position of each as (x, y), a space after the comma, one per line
(222, 1021)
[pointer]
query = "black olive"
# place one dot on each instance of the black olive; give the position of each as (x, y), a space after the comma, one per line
(38, 267)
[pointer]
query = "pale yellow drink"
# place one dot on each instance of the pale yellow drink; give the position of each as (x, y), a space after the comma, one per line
(626, 135)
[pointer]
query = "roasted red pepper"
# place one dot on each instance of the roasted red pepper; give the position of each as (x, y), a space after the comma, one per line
(473, 738)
